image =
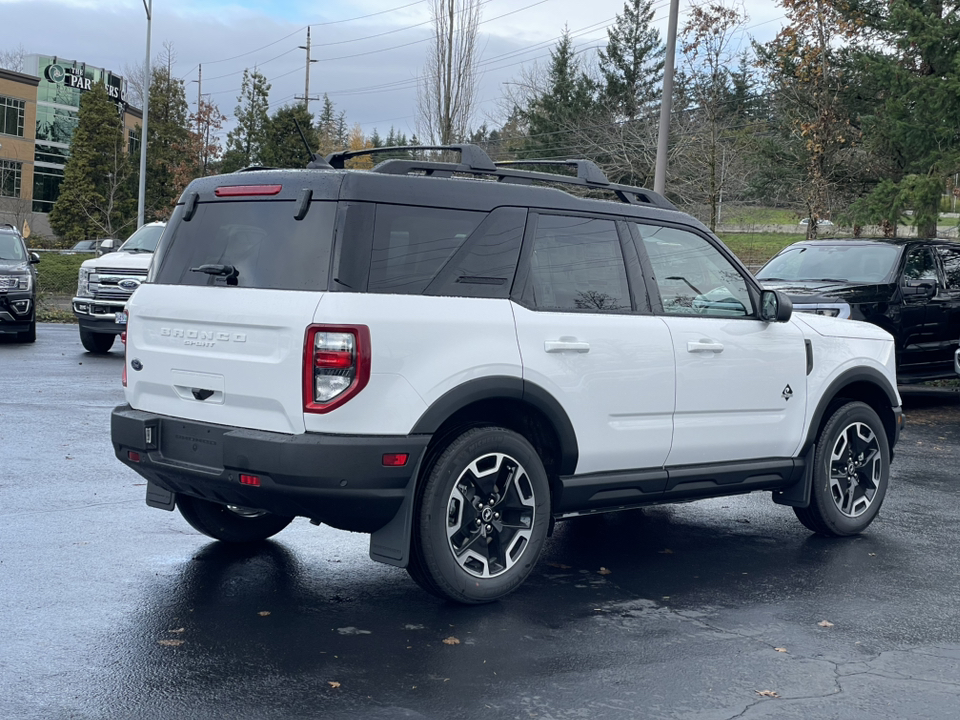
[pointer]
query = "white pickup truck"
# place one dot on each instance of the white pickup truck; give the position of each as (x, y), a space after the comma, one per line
(107, 282)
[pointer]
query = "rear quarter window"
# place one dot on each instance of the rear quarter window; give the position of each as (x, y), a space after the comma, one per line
(262, 240)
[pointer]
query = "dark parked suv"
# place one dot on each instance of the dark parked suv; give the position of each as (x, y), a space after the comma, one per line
(910, 287)
(18, 286)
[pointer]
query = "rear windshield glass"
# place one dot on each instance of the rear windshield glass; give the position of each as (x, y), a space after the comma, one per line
(842, 263)
(250, 244)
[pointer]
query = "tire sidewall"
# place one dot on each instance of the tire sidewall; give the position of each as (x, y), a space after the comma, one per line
(837, 522)
(436, 556)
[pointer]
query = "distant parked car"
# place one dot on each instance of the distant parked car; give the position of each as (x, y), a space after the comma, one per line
(84, 246)
(820, 223)
(909, 287)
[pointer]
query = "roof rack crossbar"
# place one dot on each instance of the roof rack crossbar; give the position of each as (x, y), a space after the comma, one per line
(471, 156)
(587, 170)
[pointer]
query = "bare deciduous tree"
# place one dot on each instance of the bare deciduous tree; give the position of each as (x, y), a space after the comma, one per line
(447, 89)
(13, 59)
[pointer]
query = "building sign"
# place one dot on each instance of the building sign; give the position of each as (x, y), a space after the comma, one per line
(74, 76)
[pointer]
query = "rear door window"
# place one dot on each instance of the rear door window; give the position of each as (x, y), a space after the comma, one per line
(262, 241)
(577, 266)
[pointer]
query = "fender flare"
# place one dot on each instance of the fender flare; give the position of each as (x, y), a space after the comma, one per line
(511, 388)
(391, 543)
(845, 379)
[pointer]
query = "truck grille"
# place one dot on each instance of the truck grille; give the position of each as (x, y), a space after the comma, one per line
(112, 280)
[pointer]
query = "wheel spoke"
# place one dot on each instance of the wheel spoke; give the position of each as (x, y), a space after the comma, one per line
(855, 468)
(490, 515)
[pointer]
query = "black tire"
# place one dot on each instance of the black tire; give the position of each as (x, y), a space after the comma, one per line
(850, 474)
(29, 335)
(481, 517)
(97, 343)
(229, 523)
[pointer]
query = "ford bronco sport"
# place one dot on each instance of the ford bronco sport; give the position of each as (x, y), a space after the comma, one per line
(451, 356)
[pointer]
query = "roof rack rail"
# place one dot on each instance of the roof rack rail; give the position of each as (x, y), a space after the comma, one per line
(474, 161)
(587, 170)
(471, 156)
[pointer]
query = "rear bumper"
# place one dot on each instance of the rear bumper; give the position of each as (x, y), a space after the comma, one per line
(339, 480)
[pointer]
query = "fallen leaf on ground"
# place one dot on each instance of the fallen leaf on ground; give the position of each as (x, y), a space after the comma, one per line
(178, 630)
(767, 693)
(666, 551)
(170, 643)
(561, 566)
(780, 649)
(872, 554)
(604, 571)
(333, 683)
(825, 623)
(263, 613)
(451, 641)
(352, 631)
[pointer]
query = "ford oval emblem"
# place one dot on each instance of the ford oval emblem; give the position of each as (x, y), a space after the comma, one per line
(129, 284)
(136, 364)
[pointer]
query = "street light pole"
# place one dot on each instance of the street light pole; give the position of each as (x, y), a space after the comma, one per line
(148, 6)
(666, 104)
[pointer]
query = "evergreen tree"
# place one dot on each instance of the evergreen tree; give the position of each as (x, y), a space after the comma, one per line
(246, 141)
(97, 196)
(632, 63)
(906, 54)
(283, 146)
(167, 134)
(561, 107)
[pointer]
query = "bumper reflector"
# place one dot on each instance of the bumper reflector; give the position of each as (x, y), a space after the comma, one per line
(395, 459)
(252, 480)
(133, 456)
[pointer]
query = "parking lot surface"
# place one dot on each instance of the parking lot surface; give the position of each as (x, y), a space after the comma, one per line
(717, 609)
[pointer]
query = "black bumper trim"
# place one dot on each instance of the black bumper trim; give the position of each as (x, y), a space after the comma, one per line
(339, 480)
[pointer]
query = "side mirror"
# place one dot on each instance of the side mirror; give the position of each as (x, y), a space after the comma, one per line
(775, 306)
(34, 258)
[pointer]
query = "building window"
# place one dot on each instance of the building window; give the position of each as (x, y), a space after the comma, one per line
(46, 188)
(133, 141)
(11, 116)
(55, 124)
(10, 178)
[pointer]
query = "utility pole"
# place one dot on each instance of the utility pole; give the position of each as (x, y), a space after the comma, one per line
(666, 104)
(306, 86)
(142, 193)
(199, 82)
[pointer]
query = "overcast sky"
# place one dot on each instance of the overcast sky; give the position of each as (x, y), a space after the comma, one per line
(360, 46)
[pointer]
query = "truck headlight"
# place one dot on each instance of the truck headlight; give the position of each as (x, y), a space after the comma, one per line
(87, 283)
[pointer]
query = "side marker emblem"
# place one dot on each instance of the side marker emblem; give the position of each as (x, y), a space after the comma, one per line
(787, 393)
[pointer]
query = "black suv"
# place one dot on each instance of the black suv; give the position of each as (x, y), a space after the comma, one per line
(910, 287)
(18, 286)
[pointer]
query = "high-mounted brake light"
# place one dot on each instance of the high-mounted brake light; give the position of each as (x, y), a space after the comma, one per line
(336, 365)
(246, 190)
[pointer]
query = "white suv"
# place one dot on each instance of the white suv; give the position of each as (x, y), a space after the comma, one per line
(452, 356)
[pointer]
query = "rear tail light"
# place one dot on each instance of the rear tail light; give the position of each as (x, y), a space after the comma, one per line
(336, 365)
(123, 339)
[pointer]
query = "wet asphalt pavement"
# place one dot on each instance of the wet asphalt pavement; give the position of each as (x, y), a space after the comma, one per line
(710, 610)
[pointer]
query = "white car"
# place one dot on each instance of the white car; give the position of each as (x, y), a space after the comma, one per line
(106, 283)
(451, 357)
(820, 223)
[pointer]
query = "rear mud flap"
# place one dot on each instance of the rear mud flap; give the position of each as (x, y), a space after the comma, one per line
(159, 498)
(798, 494)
